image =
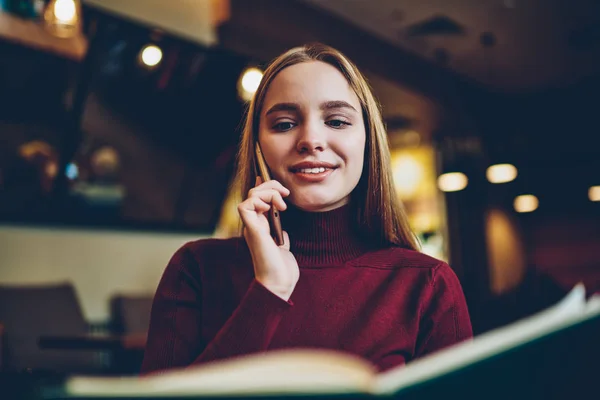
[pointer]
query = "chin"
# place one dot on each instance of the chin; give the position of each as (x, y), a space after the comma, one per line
(315, 203)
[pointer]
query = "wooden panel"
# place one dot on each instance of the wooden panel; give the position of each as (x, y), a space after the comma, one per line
(191, 20)
(32, 34)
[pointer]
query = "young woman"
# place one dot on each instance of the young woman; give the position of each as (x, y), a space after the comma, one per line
(348, 276)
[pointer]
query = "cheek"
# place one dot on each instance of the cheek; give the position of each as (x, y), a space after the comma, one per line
(358, 165)
(355, 153)
(275, 154)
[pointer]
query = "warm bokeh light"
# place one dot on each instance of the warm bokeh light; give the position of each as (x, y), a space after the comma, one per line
(63, 18)
(105, 162)
(151, 55)
(594, 193)
(65, 10)
(411, 138)
(526, 203)
(452, 182)
(36, 147)
(249, 82)
(407, 175)
(415, 174)
(51, 170)
(501, 173)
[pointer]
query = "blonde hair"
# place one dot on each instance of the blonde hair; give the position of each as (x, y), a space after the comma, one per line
(380, 214)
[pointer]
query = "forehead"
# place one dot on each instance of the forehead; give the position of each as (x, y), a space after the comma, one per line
(310, 83)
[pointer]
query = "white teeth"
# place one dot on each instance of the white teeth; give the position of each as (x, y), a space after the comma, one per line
(312, 170)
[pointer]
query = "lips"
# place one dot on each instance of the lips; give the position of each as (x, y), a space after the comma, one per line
(312, 167)
(312, 171)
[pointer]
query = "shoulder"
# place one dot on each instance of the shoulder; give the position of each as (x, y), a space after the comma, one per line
(205, 251)
(209, 248)
(399, 258)
(411, 265)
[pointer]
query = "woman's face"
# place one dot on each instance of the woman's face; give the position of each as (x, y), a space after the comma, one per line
(312, 135)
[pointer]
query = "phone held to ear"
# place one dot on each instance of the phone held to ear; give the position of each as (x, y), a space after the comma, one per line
(273, 215)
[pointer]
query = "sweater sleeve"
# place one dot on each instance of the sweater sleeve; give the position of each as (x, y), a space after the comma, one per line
(174, 336)
(444, 314)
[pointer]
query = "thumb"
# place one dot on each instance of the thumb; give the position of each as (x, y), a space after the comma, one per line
(258, 180)
(286, 241)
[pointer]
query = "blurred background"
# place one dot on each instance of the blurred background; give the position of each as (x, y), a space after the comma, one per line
(119, 122)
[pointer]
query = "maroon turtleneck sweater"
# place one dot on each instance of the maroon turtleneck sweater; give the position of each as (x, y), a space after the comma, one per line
(388, 305)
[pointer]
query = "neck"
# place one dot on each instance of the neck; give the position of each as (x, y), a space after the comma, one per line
(323, 238)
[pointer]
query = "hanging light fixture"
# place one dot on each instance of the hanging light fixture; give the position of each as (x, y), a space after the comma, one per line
(452, 181)
(501, 173)
(452, 175)
(594, 193)
(526, 203)
(62, 18)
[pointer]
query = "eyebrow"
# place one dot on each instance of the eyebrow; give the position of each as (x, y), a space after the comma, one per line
(283, 107)
(328, 105)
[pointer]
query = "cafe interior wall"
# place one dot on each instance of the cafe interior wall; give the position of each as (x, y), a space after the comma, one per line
(99, 263)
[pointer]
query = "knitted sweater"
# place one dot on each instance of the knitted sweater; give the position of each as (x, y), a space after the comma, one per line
(389, 305)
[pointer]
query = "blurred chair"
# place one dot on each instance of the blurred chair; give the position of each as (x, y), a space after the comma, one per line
(130, 314)
(29, 312)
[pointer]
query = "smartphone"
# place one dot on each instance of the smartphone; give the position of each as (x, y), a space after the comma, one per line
(273, 216)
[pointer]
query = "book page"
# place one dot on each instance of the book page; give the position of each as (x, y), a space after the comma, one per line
(593, 303)
(275, 372)
(568, 311)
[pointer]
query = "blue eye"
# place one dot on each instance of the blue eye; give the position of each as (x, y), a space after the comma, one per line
(337, 123)
(283, 126)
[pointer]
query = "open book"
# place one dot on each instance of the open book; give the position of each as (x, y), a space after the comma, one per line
(516, 352)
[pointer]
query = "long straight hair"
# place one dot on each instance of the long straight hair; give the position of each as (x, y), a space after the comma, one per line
(380, 214)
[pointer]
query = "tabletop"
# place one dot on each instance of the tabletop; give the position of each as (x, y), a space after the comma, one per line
(133, 341)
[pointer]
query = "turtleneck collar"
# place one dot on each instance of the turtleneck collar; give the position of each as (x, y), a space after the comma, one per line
(323, 238)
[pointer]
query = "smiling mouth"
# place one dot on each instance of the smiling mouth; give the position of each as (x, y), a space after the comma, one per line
(312, 174)
(317, 170)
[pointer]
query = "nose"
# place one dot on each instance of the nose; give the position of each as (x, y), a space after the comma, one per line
(311, 139)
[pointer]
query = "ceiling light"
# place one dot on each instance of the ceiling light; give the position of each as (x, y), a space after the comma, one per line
(452, 181)
(62, 18)
(501, 173)
(249, 82)
(594, 193)
(151, 56)
(526, 203)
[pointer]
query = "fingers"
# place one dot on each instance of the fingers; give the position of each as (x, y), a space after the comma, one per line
(260, 200)
(268, 196)
(272, 184)
(271, 192)
(254, 204)
(286, 241)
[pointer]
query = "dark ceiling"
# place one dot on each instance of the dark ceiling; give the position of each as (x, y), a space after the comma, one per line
(536, 43)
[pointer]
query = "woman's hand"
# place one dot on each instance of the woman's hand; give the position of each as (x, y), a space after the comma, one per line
(274, 266)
